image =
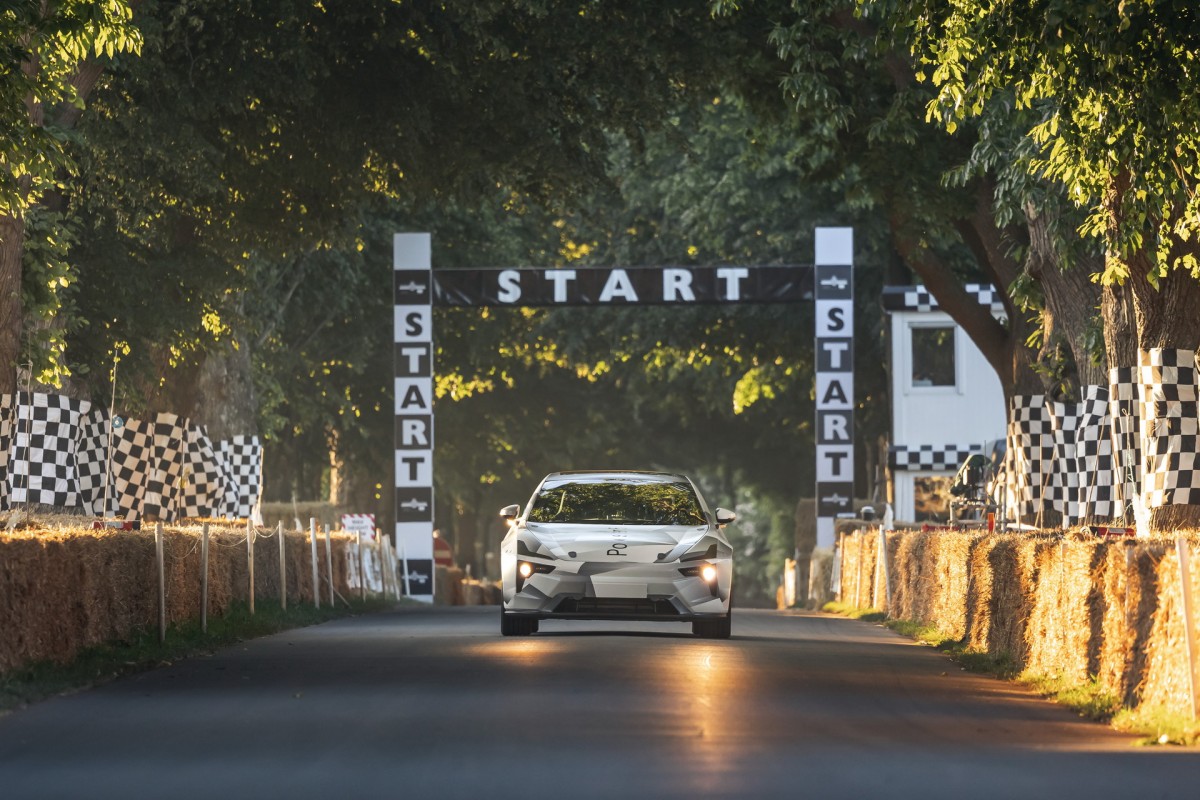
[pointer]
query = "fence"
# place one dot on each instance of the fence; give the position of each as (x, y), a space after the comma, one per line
(1116, 611)
(62, 591)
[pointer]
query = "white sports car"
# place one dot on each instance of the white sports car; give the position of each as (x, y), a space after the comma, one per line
(616, 545)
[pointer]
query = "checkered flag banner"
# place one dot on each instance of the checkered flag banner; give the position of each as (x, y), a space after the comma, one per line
(1170, 427)
(168, 444)
(928, 457)
(41, 458)
(1094, 458)
(1125, 412)
(241, 460)
(131, 452)
(1063, 486)
(91, 462)
(6, 415)
(204, 479)
(1030, 454)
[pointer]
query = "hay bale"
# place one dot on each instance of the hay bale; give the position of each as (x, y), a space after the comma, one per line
(1166, 682)
(63, 589)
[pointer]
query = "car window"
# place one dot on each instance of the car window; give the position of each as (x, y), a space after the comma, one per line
(626, 503)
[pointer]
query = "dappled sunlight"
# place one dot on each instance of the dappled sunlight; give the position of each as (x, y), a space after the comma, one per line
(525, 651)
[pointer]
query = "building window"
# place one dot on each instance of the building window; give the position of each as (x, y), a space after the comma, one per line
(933, 355)
(931, 498)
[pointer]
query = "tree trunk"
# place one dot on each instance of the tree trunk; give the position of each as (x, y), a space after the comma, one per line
(337, 470)
(1120, 326)
(12, 236)
(1072, 303)
(1166, 315)
(226, 401)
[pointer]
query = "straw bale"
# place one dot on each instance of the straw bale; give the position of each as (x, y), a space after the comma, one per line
(994, 603)
(1166, 681)
(64, 589)
(912, 569)
(1051, 615)
(1118, 668)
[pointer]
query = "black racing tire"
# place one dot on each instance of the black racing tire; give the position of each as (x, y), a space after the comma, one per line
(719, 628)
(515, 625)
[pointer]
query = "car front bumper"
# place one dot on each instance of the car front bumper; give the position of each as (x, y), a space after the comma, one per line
(604, 590)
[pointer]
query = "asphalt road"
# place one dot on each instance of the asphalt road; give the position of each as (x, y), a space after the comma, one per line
(435, 704)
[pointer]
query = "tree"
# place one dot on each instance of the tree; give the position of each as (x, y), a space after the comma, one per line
(1114, 119)
(51, 55)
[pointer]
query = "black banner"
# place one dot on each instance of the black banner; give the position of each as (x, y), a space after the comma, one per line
(581, 286)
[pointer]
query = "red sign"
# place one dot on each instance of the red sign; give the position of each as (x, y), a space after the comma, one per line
(443, 555)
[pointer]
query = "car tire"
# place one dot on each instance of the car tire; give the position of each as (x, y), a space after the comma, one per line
(513, 625)
(719, 628)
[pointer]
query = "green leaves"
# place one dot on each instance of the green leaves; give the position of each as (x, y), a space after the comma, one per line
(1122, 132)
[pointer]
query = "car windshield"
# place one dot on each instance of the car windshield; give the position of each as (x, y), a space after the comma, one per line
(648, 503)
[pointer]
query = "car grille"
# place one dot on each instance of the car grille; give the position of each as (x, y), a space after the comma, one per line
(617, 606)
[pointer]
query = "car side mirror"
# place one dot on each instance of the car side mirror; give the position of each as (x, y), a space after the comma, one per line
(510, 512)
(724, 516)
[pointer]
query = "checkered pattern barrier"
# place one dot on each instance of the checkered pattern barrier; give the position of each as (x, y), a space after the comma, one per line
(62, 452)
(41, 458)
(91, 458)
(1094, 458)
(1062, 489)
(928, 457)
(204, 478)
(1170, 427)
(1125, 412)
(241, 458)
(6, 414)
(1030, 456)
(918, 298)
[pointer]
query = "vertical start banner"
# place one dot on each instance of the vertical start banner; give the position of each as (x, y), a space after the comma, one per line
(833, 291)
(413, 291)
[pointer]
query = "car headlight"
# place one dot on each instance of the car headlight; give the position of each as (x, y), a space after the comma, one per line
(527, 569)
(706, 572)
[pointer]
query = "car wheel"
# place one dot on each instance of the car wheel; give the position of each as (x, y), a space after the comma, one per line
(513, 625)
(719, 628)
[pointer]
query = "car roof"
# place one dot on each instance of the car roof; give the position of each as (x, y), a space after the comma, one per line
(611, 476)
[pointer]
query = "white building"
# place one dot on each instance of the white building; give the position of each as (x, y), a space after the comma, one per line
(946, 400)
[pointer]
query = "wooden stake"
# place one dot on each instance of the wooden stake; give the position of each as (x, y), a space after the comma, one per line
(379, 556)
(316, 574)
(887, 572)
(362, 574)
(162, 582)
(1129, 545)
(250, 561)
(392, 559)
(282, 567)
(858, 577)
(839, 557)
(1189, 619)
(329, 565)
(204, 579)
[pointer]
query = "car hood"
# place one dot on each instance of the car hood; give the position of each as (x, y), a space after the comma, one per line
(613, 543)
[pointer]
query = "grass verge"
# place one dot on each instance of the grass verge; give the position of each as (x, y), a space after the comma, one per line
(1091, 700)
(143, 651)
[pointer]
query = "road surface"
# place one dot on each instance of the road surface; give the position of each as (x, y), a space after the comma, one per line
(434, 703)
